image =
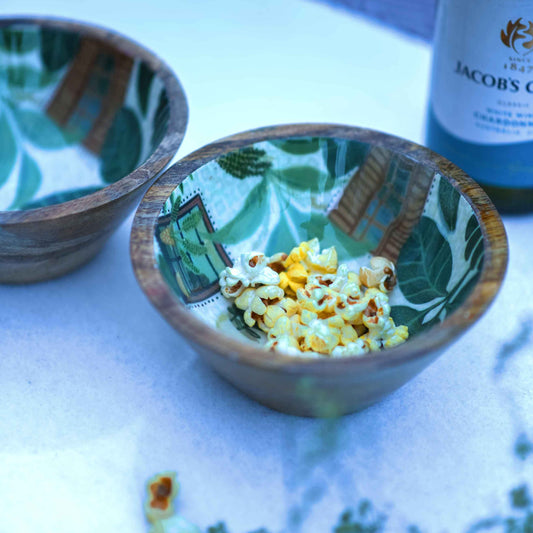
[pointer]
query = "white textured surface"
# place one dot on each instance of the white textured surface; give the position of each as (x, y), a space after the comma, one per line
(97, 392)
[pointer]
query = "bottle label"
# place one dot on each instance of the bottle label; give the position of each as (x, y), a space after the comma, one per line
(482, 83)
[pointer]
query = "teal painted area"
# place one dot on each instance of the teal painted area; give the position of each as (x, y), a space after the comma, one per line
(502, 165)
(430, 256)
(271, 196)
(59, 198)
(49, 154)
(285, 186)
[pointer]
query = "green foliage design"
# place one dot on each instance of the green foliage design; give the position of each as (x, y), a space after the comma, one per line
(28, 183)
(23, 79)
(19, 39)
(60, 197)
(58, 48)
(41, 57)
(274, 194)
(9, 149)
(301, 146)
(236, 318)
(427, 261)
(365, 520)
(144, 82)
(425, 264)
(245, 163)
(449, 202)
(21, 122)
(247, 220)
(343, 156)
(523, 447)
(122, 146)
(306, 178)
(40, 130)
(160, 122)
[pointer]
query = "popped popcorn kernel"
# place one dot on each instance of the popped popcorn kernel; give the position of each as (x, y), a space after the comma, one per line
(308, 304)
(161, 489)
(250, 270)
(284, 343)
(381, 274)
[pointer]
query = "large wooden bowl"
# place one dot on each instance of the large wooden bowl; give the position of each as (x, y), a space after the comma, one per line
(360, 190)
(88, 119)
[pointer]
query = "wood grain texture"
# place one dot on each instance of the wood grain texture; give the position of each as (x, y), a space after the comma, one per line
(298, 385)
(42, 243)
(415, 17)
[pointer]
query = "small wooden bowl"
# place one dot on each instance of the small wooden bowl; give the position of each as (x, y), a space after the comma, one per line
(88, 119)
(358, 189)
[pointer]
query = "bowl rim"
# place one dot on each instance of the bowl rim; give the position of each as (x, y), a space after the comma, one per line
(208, 338)
(158, 159)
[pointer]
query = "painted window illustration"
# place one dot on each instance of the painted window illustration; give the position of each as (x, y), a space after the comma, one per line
(389, 192)
(193, 263)
(96, 84)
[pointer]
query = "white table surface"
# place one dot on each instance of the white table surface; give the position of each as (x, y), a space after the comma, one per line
(98, 392)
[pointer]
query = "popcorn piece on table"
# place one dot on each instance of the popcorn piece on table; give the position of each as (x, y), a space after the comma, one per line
(162, 489)
(250, 270)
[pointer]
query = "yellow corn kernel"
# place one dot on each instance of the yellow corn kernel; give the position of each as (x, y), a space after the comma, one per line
(325, 261)
(248, 319)
(358, 347)
(244, 300)
(257, 306)
(269, 292)
(297, 272)
(285, 344)
(290, 306)
(400, 335)
(297, 254)
(272, 314)
(307, 316)
(348, 334)
(320, 337)
(283, 326)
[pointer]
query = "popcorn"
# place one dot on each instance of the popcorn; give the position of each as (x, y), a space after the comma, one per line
(285, 344)
(256, 304)
(358, 347)
(309, 254)
(317, 261)
(250, 270)
(161, 492)
(309, 305)
(381, 274)
(293, 278)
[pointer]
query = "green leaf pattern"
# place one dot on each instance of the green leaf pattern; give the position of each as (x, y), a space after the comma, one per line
(28, 183)
(272, 195)
(32, 64)
(453, 248)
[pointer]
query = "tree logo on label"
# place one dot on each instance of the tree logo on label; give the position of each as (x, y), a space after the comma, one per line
(518, 36)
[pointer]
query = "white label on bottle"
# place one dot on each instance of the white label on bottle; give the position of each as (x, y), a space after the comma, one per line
(482, 83)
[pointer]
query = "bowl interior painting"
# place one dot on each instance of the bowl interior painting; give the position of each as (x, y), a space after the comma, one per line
(75, 115)
(363, 199)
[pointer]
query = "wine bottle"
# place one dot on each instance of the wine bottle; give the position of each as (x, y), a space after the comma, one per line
(480, 112)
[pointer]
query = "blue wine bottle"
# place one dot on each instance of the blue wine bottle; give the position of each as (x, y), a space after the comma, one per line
(480, 112)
